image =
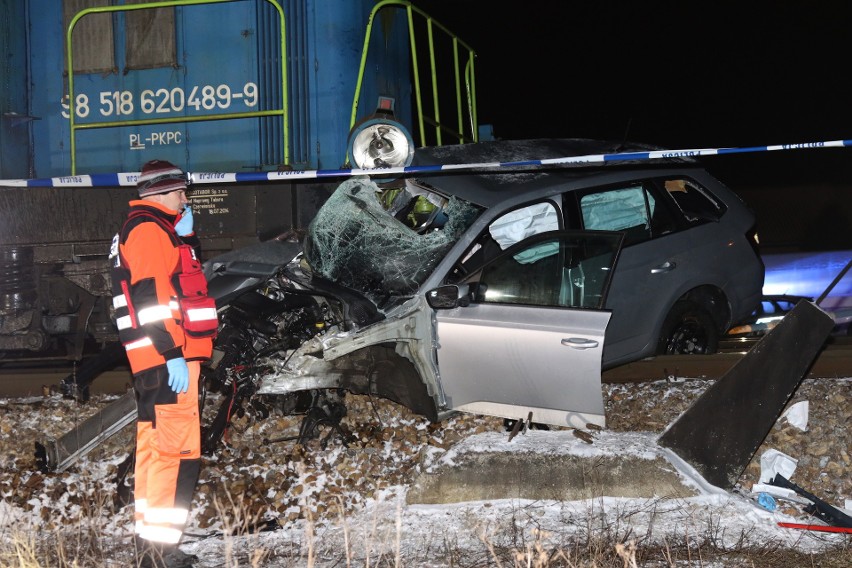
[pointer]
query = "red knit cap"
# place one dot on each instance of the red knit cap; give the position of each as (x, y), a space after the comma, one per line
(160, 176)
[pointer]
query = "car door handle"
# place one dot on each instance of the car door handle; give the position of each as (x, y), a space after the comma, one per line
(667, 266)
(579, 343)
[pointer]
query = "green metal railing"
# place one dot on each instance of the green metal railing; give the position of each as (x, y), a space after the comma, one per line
(74, 127)
(465, 99)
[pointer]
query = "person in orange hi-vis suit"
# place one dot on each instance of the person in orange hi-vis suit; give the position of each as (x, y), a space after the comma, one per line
(166, 323)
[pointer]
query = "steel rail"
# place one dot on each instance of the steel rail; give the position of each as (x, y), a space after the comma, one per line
(833, 362)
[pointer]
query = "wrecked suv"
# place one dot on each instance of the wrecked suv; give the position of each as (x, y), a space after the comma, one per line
(494, 291)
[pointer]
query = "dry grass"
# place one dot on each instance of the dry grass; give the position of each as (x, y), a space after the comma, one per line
(331, 530)
(588, 539)
(379, 548)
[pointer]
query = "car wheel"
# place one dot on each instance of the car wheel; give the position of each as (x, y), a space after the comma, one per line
(688, 330)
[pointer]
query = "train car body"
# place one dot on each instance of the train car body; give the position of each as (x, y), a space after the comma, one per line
(210, 85)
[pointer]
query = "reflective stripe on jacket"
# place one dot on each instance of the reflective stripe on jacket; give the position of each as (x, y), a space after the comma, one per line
(147, 311)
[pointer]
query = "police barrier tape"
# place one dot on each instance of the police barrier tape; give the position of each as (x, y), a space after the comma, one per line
(129, 178)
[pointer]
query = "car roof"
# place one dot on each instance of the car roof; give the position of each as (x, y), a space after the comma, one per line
(490, 185)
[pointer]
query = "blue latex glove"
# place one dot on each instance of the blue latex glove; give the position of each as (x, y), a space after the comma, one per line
(178, 374)
(766, 501)
(184, 226)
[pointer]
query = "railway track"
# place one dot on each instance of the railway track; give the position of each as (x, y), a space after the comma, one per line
(38, 382)
(835, 360)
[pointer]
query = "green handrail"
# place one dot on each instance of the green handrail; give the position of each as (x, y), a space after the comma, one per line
(465, 101)
(282, 112)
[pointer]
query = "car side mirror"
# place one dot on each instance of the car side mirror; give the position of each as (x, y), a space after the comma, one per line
(448, 297)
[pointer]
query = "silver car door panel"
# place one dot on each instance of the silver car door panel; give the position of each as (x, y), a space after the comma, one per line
(510, 360)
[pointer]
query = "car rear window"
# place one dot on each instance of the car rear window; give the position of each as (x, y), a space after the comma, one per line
(695, 203)
(648, 208)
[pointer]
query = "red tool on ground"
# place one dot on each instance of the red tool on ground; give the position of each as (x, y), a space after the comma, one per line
(820, 528)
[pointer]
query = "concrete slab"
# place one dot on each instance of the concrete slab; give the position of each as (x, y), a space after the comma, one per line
(555, 465)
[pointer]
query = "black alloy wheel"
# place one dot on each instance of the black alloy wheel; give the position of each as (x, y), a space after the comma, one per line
(688, 330)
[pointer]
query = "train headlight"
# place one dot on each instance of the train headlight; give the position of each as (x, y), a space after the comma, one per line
(380, 143)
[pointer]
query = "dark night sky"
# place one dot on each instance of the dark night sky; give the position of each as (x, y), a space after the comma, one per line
(678, 74)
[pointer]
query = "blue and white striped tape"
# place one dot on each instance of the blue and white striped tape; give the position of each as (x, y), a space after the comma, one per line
(207, 178)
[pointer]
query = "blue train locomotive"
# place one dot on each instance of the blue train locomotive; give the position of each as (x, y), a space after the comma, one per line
(94, 87)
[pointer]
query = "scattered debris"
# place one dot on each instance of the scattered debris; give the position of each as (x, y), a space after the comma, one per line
(720, 433)
(766, 501)
(797, 415)
(773, 462)
(819, 528)
(583, 435)
(818, 508)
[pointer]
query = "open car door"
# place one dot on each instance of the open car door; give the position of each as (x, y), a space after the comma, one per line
(528, 335)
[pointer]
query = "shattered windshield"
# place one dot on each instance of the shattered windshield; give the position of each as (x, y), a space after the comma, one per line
(384, 243)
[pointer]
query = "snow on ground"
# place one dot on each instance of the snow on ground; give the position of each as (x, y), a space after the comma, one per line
(427, 535)
(342, 506)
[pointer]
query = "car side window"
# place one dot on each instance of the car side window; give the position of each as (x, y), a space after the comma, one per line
(696, 204)
(574, 273)
(519, 224)
(506, 231)
(635, 209)
(625, 209)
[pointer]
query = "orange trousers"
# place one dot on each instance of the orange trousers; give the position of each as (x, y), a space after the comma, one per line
(168, 453)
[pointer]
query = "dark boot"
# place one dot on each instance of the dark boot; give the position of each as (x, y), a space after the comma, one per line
(157, 555)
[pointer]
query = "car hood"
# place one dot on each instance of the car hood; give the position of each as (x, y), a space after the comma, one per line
(231, 273)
